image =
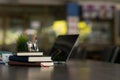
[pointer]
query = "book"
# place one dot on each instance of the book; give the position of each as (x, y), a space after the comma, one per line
(30, 58)
(1, 61)
(4, 56)
(37, 59)
(29, 53)
(31, 64)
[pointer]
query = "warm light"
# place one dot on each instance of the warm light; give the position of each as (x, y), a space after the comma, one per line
(84, 28)
(82, 25)
(60, 27)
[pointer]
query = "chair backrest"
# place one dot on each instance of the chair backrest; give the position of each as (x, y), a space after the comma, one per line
(108, 53)
(116, 55)
(79, 53)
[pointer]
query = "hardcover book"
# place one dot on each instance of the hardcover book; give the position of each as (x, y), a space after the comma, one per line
(16, 63)
(31, 64)
(29, 54)
(29, 58)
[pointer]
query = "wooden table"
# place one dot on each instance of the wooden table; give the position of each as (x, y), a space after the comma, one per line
(73, 70)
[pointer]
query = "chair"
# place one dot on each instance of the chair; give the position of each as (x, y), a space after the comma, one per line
(79, 53)
(116, 56)
(108, 53)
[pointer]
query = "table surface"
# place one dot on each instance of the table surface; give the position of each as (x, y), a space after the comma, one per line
(72, 70)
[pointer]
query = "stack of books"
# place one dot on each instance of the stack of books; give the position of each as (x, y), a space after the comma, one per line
(30, 59)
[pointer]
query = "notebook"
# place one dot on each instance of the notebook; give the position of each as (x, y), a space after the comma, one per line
(63, 47)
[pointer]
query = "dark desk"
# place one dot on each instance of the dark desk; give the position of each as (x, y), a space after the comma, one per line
(84, 70)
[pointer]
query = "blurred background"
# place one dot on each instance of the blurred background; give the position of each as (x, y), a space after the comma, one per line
(97, 22)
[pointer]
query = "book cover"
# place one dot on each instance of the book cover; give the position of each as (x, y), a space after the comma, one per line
(29, 58)
(29, 54)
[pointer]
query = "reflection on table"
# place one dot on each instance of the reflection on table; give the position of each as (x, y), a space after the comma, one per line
(72, 70)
